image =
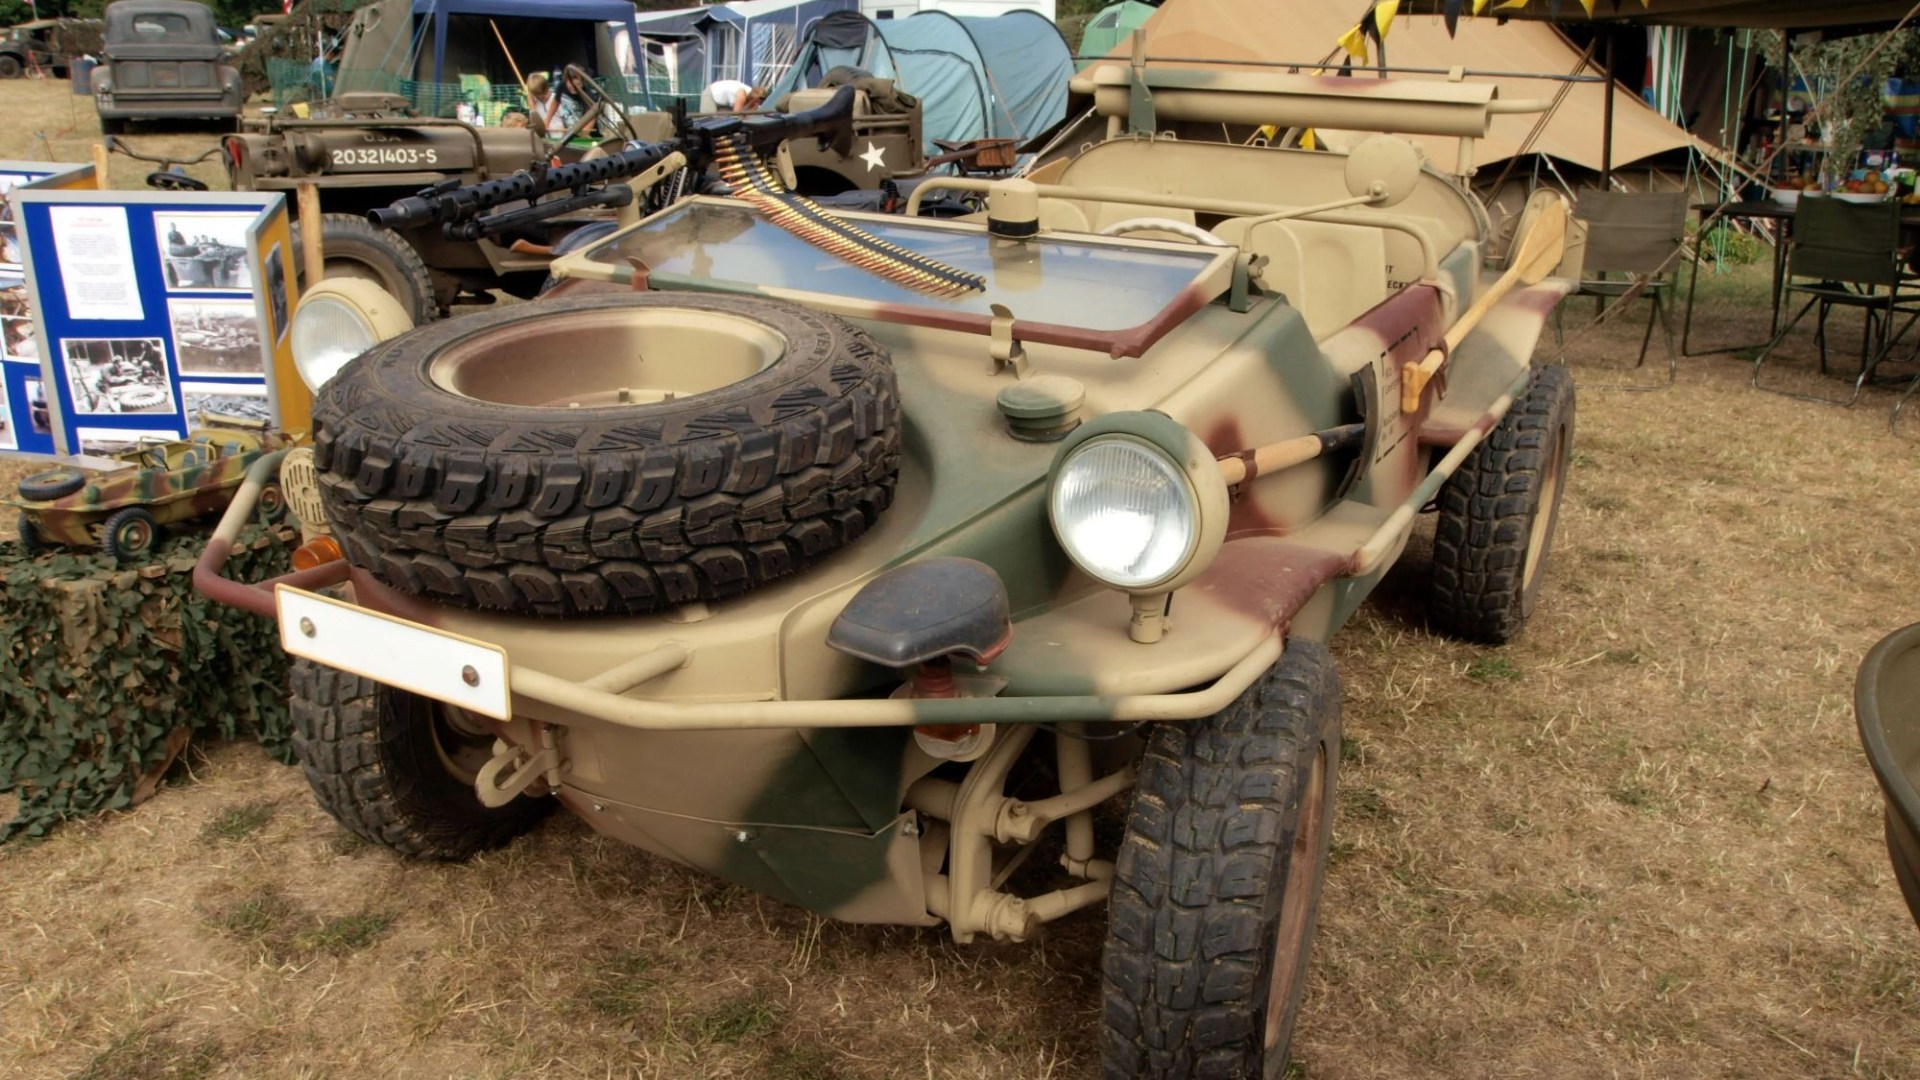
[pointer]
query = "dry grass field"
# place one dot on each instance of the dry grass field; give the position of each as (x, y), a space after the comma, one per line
(1639, 842)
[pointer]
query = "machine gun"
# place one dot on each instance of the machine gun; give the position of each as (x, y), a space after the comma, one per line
(461, 212)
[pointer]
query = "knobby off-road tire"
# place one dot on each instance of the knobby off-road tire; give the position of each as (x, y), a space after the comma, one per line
(356, 247)
(373, 756)
(1218, 882)
(130, 534)
(1497, 516)
(616, 508)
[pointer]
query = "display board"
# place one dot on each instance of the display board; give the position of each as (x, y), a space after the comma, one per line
(25, 425)
(155, 307)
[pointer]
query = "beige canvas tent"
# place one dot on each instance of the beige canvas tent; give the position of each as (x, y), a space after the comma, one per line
(1307, 30)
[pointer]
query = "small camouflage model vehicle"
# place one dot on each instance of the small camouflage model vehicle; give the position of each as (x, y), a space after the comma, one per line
(845, 556)
(122, 508)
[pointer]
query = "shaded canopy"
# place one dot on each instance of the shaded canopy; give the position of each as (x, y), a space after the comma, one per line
(1306, 30)
(1844, 16)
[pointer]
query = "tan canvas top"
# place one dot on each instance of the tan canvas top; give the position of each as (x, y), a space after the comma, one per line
(1306, 30)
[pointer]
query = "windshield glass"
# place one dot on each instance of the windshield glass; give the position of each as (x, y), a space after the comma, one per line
(1099, 287)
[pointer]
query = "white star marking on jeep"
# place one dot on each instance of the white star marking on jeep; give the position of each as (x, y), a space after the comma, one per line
(875, 157)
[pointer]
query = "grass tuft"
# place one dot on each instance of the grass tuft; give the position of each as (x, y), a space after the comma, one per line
(149, 1052)
(748, 1017)
(239, 821)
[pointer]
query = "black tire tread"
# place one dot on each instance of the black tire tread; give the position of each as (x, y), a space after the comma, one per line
(51, 484)
(349, 735)
(109, 541)
(540, 515)
(1184, 976)
(1477, 588)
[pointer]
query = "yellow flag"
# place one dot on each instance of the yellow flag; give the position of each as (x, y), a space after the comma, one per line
(1588, 4)
(1307, 140)
(1507, 4)
(1355, 42)
(1479, 6)
(1383, 13)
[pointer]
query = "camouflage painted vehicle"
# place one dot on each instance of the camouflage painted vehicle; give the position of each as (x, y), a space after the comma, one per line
(121, 503)
(844, 557)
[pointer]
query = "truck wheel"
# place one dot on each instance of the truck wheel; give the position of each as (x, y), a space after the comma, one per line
(129, 534)
(396, 768)
(355, 247)
(1497, 516)
(718, 442)
(52, 484)
(9, 67)
(1218, 882)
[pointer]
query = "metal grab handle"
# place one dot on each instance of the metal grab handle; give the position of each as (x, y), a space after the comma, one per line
(208, 577)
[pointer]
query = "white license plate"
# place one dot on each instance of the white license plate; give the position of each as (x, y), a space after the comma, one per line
(469, 674)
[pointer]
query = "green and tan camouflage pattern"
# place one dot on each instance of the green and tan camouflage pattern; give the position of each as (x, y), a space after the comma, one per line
(846, 821)
(177, 480)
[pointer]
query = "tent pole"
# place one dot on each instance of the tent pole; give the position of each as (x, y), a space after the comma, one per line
(1606, 149)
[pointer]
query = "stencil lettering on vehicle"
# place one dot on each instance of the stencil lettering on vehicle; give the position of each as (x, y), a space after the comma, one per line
(1393, 424)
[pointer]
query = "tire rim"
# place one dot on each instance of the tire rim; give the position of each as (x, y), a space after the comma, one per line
(615, 357)
(462, 743)
(1296, 900)
(134, 536)
(334, 269)
(272, 503)
(1543, 512)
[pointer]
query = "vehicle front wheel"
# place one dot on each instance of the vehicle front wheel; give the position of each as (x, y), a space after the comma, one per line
(353, 247)
(1218, 882)
(10, 67)
(129, 534)
(30, 540)
(1497, 516)
(396, 768)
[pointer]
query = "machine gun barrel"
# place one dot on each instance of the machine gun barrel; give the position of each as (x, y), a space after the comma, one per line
(449, 204)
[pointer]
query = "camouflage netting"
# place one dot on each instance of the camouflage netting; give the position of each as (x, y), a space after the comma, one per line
(286, 44)
(108, 672)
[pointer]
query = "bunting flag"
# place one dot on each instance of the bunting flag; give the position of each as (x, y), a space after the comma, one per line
(1375, 26)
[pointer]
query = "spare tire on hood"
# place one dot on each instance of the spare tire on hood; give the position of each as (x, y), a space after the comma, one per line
(608, 454)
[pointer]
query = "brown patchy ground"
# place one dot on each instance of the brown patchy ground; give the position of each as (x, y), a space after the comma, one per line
(1641, 841)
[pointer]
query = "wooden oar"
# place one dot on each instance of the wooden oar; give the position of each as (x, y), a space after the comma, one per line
(1539, 252)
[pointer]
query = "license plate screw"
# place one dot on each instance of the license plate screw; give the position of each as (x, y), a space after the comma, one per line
(306, 627)
(470, 676)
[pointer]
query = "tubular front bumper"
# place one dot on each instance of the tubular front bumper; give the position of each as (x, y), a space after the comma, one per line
(601, 698)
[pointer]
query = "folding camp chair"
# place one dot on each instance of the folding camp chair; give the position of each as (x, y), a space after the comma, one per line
(1636, 237)
(1846, 255)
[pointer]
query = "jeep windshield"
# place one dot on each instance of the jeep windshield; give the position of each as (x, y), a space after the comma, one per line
(1117, 296)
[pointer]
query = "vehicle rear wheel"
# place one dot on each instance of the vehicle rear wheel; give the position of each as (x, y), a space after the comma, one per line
(396, 768)
(52, 484)
(610, 454)
(356, 248)
(30, 540)
(129, 534)
(1218, 882)
(10, 67)
(271, 508)
(1497, 516)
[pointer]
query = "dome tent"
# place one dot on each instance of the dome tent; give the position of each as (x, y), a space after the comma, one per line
(1000, 77)
(1111, 25)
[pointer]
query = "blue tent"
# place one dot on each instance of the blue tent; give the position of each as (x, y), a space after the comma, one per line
(976, 77)
(749, 40)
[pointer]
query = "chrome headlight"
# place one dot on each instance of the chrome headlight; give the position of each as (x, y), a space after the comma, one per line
(337, 320)
(1137, 502)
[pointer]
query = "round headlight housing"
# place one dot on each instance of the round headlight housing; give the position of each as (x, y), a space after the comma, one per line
(337, 320)
(1137, 502)
(1125, 512)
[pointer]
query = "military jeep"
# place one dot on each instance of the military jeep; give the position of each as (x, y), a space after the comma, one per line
(846, 556)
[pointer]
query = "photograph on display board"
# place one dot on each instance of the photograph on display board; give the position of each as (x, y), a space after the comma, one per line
(205, 252)
(17, 335)
(105, 442)
(244, 403)
(118, 375)
(38, 415)
(9, 438)
(216, 337)
(9, 237)
(277, 294)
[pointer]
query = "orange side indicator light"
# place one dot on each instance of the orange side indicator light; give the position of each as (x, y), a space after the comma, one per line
(317, 552)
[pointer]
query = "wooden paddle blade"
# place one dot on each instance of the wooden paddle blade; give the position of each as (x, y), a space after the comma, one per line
(1544, 246)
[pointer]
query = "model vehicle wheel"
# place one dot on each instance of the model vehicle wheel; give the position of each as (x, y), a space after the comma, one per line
(10, 67)
(357, 248)
(30, 541)
(271, 508)
(608, 454)
(129, 534)
(52, 484)
(398, 769)
(1218, 881)
(1497, 516)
